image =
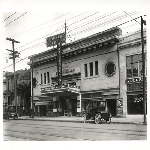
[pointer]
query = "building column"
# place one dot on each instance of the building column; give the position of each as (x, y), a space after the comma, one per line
(38, 110)
(79, 104)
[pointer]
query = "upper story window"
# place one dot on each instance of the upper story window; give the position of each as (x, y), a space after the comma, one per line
(91, 69)
(41, 79)
(48, 80)
(85, 70)
(96, 67)
(134, 65)
(44, 78)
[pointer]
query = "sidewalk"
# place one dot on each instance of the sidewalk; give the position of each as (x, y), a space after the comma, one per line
(130, 119)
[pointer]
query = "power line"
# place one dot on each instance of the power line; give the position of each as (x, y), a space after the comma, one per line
(103, 23)
(77, 33)
(69, 35)
(55, 31)
(9, 17)
(68, 32)
(25, 32)
(132, 18)
(16, 18)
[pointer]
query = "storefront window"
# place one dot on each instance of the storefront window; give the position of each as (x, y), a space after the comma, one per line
(135, 104)
(95, 104)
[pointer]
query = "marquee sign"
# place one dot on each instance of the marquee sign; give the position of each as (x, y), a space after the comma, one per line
(71, 88)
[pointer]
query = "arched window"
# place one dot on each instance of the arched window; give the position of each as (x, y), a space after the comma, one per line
(110, 69)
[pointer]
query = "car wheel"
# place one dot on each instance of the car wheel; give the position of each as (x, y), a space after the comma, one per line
(108, 120)
(97, 120)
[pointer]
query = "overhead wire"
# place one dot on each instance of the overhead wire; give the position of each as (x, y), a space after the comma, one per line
(98, 25)
(54, 31)
(25, 32)
(79, 32)
(38, 43)
(16, 18)
(9, 17)
(41, 37)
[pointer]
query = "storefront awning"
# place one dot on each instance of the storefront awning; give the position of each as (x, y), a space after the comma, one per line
(93, 99)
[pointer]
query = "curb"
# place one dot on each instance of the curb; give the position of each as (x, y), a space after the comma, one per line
(78, 121)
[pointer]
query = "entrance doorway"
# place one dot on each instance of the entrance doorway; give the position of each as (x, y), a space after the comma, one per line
(43, 110)
(111, 106)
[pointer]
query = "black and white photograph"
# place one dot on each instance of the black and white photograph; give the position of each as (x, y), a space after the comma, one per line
(74, 75)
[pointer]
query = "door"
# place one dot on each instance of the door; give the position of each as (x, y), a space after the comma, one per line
(111, 106)
(43, 110)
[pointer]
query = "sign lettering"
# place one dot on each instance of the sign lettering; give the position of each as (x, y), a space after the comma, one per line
(54, 40)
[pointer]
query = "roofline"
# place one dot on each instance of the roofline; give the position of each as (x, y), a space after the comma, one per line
(77, 41)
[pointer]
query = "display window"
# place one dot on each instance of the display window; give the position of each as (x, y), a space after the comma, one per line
(135, 104)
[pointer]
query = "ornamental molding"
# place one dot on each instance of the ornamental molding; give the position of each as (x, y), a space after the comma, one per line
(131, 44)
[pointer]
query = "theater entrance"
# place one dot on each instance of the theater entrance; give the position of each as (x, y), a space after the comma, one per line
(111, 106)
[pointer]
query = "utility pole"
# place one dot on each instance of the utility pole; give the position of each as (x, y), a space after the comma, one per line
(14, 54)
(143, 60)
(32, 88)
(65, 31)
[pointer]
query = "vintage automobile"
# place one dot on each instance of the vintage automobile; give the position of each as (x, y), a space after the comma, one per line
(98, 113)
(6, 113)
(13, 113)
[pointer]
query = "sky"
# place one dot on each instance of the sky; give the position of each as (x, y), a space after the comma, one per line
(32, 28)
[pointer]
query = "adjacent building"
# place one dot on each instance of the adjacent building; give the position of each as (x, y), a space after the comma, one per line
(22, 76)
(104, 69)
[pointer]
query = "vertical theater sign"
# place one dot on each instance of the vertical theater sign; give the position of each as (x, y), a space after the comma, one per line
(58, 40)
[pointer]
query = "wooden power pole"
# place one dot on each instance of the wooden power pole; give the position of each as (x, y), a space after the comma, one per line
(143, 60)
(14, 54)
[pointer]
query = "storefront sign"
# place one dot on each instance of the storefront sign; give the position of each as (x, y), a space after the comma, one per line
(134, 80)
(54, 110)
(67, 71)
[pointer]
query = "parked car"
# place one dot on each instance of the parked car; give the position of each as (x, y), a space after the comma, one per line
(98, 114)
(13, 113)
(6, 113)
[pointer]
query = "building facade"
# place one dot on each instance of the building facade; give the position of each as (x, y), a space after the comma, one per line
(22, 76)
(131, 73)
(94, 73)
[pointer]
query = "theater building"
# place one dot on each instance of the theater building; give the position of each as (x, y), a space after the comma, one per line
(94, 73)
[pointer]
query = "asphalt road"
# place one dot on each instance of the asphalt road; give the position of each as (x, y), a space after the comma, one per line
(31, 130)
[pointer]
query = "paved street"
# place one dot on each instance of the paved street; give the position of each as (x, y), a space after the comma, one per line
(31, 130)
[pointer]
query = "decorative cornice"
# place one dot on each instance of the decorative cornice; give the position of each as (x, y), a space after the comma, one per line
(132, 43)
